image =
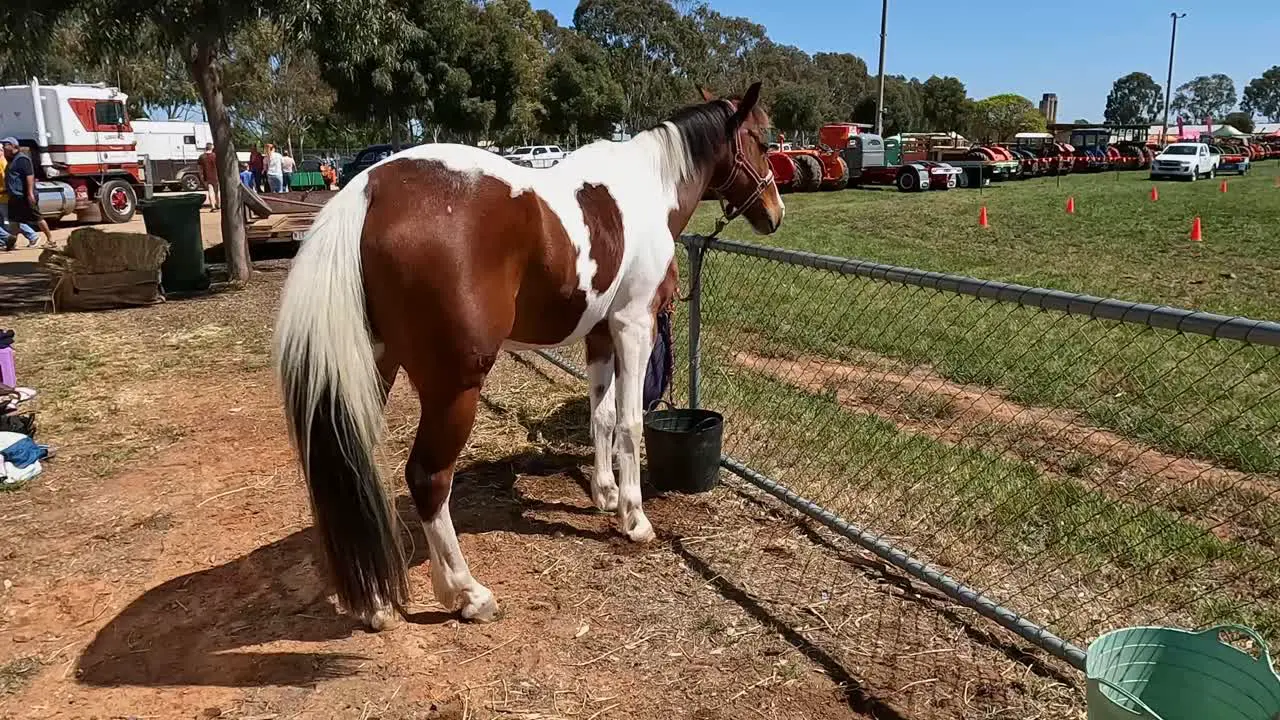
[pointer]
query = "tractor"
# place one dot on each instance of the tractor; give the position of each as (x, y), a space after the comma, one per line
(1092, 147)
(808, 169)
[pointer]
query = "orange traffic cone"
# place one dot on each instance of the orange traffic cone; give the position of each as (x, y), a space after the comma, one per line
(1071, 205)
(1195, 230)
(982, 218)
(1223, 186)
(1155, 194)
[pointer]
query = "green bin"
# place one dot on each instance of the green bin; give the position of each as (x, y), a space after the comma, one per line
(176, 219)
(1157, 673)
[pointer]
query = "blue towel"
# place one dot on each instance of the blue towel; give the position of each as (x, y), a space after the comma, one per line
(662, 363)
(24, 452)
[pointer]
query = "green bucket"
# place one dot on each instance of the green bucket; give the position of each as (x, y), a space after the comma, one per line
(1156, 673)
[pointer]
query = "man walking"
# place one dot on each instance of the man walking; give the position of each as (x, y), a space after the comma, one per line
(209, 174)
(20, 185)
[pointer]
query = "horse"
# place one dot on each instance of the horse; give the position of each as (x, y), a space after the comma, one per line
(440, 256)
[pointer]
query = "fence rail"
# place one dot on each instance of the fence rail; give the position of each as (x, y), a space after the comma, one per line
(1028, 453)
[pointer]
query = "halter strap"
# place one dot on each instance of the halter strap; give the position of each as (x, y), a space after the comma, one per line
(728, 211)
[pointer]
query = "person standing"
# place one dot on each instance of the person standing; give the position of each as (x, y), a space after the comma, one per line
(288, 166)
(275, 169)
(255, 167)
(20, 184)
(209, 174)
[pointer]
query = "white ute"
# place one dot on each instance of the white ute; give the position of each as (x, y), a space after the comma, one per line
(536, 156)
(1191, 160)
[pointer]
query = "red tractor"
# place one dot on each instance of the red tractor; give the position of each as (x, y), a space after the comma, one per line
(808, 169)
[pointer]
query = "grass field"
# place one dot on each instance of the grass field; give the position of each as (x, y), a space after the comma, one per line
(1091, 472)
(1118, 244)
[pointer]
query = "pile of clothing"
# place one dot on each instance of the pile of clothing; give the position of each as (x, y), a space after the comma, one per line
(20, 456)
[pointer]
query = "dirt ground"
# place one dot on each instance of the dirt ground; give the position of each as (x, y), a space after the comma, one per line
(164, 565)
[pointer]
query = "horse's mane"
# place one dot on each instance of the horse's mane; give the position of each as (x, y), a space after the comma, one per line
(692, 137)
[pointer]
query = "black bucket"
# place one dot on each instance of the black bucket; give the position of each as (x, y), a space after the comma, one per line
(683, 449)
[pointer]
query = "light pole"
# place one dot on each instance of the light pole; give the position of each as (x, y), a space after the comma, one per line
(1168, 83)
(884, 17)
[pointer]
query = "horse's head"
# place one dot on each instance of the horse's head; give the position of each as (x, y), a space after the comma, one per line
(742, 177)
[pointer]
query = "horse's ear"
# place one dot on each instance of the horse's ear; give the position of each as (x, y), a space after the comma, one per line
(707, 95)
(749, 100)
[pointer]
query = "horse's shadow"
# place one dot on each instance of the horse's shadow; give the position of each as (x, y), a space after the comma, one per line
(203, 628)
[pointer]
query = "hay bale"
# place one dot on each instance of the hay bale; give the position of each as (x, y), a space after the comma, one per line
(101, 270)
(95, 251)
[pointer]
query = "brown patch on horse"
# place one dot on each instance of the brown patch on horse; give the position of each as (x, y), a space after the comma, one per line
(604, 223)
(454, 266)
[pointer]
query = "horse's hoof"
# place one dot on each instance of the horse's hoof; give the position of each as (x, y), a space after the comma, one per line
(380, 620)
(607, 500)
(482, 609)
(641, 532)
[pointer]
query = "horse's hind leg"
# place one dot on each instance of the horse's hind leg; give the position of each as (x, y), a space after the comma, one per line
(632, 330)
(442, 432)
(604, 413)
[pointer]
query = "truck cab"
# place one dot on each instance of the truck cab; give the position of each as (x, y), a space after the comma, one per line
(82, 146)
(1189, 160)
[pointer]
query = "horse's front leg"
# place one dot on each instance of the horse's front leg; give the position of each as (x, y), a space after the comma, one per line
(604, 491)
(632, 331)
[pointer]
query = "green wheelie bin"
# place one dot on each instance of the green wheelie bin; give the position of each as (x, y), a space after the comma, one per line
(176, 220)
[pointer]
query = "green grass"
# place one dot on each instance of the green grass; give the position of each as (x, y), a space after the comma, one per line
(991, 518)
(1118, 244)
(1187, 394)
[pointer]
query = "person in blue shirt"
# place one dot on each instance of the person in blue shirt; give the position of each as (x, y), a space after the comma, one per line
(246, 176)
(20, 185)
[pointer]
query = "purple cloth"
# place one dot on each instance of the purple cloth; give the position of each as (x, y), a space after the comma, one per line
(662, 363)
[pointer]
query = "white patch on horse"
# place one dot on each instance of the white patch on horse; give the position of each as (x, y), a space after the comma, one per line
(641, 175)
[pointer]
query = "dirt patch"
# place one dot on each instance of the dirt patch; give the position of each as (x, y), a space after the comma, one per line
(164, 566)
(1058, 441)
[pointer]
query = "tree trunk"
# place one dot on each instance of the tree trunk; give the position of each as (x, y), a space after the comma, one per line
(208, 79)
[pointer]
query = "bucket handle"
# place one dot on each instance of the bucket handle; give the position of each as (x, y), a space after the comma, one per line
(1253, 635)
(1129, 696)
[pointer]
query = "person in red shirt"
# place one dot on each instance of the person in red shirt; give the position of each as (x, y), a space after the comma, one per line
(209, 174)
(256, 167)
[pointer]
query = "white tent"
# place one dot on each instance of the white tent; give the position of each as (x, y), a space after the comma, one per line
(1227, 131)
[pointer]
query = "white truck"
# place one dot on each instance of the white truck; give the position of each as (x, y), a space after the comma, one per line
(536, 156)
(172, 149)
(1190, 160)
(82, 146)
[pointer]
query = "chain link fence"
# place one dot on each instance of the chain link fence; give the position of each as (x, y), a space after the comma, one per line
(953, 451)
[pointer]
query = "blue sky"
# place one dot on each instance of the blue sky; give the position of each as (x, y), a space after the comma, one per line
(997, 46)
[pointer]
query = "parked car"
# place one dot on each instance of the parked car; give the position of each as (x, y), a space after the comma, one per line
(536, 156)
(364, 159)
(1190, 160)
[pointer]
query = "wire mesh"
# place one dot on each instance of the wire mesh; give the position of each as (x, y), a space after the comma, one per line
(1086, 473)
(1083, 472)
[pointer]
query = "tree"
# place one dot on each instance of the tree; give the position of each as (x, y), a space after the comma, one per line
(1241, 121)
(580, 96)
(1134, 99)
(902, 105)
(945, 105)
(275, 87)
(842, 78)
(641, 38)
(1208, 96)
(198, 32)
(1262, 95)
(796, 109)
(999, 117)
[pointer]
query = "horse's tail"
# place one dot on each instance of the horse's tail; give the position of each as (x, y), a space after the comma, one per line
(333, 401)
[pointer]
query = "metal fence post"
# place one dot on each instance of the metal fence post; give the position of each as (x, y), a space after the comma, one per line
(696, 246)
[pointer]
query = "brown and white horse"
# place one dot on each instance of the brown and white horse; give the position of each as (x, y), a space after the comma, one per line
(440, 256)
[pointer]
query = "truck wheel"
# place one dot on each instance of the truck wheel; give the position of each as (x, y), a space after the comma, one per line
(962, 180)
(907, 180)
(118, 201)
(1195, 174)
(1213, 173)
(191, 182)
(808, 173)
